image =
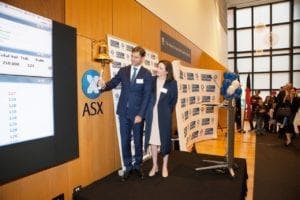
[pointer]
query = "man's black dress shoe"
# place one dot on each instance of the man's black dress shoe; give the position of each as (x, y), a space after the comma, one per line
(125, 176)
(140, 173)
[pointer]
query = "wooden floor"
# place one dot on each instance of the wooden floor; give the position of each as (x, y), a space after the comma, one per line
(244, 147)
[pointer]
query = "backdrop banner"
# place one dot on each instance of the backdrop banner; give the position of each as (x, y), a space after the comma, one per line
(120, 52)
(197, 106)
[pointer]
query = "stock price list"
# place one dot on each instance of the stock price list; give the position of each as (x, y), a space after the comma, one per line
(12, 117)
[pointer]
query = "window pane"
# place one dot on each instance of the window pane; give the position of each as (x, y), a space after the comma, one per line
(230, 18)
(261, 53)
(243, 80)
(280, 63)
(261, 15)
(296, 63)
(243, 17)
(230, 40)
(263, 94)
(296, 79)
(296, 34)
(280, 36)
(296, 9)
(261, 64)
(261, 38)
(281, 12)
(262, 81)
(279, 79)
(231, 65)
(244, 64)
(243, 54)
(230, 55)
(281, 52)
(296, 50)
(244, 40)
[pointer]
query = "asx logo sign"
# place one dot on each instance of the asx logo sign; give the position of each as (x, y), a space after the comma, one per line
(89, 85)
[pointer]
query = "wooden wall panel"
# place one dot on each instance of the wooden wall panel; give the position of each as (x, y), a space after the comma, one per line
(57, 184)
(196, 55)
(98, 153)
(92, 18)
(96, 133)
(53, 9)
(37, 184)
(127, 20)
(11, 190)
(98, 141)
(42, 185)
(207, 62)
(150, 30)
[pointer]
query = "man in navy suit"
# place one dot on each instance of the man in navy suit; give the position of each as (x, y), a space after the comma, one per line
(136, 87)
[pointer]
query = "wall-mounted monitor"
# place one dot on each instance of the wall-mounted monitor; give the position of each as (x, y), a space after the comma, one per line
(38, 93)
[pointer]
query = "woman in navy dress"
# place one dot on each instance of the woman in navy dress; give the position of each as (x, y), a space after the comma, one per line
(159, 115)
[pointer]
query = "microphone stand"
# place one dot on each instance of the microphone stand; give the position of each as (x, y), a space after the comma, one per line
(228, 163)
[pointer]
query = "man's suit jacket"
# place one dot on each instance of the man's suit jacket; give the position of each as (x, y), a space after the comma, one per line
(134, 95)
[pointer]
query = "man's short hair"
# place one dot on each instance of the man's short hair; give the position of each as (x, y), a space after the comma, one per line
(139, 49)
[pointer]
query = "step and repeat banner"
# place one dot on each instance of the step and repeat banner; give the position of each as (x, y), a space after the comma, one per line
(197, 105)
(120, 52)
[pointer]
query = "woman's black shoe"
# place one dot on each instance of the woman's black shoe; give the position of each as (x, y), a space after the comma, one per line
(287, 145)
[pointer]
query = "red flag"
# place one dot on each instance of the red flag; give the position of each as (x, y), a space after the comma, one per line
(247, 98)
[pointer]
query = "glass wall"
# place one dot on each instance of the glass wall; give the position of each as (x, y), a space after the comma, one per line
(264, 41)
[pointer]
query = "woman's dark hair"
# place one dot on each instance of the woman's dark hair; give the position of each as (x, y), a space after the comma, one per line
(169, 69)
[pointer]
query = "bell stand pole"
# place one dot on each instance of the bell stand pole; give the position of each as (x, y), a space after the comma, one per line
(228, 163)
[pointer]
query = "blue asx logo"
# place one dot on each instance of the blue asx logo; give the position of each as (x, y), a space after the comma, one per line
(89, 84)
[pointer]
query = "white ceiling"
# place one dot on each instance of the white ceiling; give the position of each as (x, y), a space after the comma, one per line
(246, 3)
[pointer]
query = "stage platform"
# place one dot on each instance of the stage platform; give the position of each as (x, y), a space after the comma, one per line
(183, 183)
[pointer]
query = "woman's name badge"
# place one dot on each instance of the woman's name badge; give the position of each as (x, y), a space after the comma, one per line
(164, 90)
(140, 81)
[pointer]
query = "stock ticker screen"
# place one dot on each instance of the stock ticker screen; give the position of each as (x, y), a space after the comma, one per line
(26, 76)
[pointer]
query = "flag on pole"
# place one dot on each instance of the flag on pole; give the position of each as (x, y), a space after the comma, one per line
(247, 98)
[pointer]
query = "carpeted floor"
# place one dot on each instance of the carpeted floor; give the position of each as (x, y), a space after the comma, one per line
(277, 169)
(183, 182)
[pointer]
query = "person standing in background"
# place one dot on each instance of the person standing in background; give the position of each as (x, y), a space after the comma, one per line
(136, 83)
(296, 122)
(292, 101)
(254, 104)
(284, 91)
(159, 115)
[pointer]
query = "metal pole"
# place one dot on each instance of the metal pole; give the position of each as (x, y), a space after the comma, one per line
(230, 135)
